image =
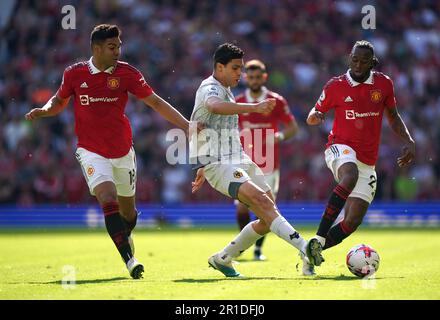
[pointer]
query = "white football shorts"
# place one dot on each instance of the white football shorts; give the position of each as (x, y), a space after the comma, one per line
(273, 180)
(228, 177)
(338, 154)
(97, 169)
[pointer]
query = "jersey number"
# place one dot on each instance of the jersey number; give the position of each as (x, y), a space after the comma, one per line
(372, 182)
(132, 174)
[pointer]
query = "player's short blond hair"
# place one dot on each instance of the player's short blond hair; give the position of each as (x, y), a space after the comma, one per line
(255, 64)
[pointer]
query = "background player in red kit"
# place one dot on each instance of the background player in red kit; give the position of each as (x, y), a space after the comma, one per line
(359, 97)
(267, 124)
(100, 87)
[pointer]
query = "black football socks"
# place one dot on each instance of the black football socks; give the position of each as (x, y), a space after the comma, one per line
(334, 207)
(117, 230)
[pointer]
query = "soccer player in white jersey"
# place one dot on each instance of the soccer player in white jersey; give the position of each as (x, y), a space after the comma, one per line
(222, 161)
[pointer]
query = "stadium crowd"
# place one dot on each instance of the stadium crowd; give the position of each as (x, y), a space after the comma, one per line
(303, 43)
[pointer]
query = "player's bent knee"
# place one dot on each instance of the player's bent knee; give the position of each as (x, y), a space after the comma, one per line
(261, 227)
(266, 209)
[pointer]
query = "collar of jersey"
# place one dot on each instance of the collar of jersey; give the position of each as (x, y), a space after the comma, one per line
(218, 82)
(228, 89)
(260, 98)
(94, 70)
(354, 83)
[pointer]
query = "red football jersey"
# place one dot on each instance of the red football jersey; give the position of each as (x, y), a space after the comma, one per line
(99, 104)
(268, 124)
(359, 110)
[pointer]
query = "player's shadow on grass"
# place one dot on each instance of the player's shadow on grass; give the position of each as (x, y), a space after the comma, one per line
(345, 278)
(229, 279)
(90, 281)
(246, 260)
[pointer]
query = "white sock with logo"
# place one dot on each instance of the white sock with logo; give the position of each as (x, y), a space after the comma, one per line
(245, 239)
(285, 231)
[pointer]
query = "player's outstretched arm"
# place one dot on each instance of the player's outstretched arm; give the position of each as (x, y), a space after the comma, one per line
(219, 106)
(54, 106)
(315, 117)
(167, 111)
(399, 127)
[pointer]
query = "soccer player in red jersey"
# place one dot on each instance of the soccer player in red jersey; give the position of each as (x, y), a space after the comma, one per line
(263, 126)
(100, 88)
(359, 98)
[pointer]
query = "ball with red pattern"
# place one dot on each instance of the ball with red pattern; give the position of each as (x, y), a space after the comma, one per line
(362, 260)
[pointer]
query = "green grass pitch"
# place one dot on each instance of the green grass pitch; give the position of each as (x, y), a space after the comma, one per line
(32, 262)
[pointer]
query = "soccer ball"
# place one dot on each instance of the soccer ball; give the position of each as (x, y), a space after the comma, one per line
(362, 260)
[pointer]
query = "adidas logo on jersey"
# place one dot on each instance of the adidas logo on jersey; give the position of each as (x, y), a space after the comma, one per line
(84, 85)
(348, 99)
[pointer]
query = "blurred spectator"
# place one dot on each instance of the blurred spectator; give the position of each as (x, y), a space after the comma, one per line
(303, 44)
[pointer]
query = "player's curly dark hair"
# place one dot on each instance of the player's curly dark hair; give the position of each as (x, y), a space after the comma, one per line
(366, 45)
(104, 31)
(226, 52)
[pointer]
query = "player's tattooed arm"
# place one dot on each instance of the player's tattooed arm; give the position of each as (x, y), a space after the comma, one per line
(399, 127)
(54, 106)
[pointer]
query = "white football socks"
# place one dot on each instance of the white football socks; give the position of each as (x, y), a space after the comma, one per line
(285, 231)
(245, 239)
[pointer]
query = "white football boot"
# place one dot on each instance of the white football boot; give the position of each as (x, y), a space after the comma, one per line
(135, 268)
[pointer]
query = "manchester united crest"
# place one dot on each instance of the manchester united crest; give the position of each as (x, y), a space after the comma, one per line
(113, 83)
(376, 96)
(90, 171)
